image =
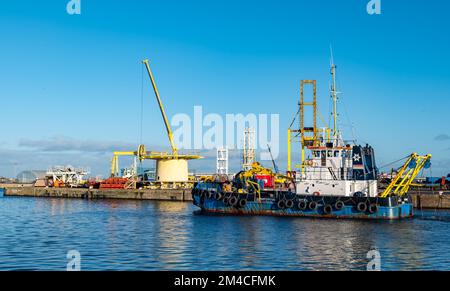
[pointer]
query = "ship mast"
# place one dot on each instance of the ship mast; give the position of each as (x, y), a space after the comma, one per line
(334, 96)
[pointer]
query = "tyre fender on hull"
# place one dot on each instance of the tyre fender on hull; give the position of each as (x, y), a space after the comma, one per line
(209, 194)
(233, 201)
(327, 209)
(361, 207)
(289, 203)
(312, 205)
(339, 205)
(242, 203)
(373, 208)
(302, 204)
(202, 193)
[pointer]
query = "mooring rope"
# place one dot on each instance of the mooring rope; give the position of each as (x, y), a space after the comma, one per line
(397, 161)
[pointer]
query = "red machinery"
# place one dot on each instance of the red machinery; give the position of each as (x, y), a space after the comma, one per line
(113, 183)
(269, 181)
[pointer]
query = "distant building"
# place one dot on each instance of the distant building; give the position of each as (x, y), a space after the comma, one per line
(4, 180)
(30, 176)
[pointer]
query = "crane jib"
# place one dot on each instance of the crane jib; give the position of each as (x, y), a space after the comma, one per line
(161, 107)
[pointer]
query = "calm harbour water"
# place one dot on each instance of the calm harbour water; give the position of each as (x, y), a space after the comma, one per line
(36, 234)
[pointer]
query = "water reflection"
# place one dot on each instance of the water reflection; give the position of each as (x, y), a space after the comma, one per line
(144, 235)
(171, 233)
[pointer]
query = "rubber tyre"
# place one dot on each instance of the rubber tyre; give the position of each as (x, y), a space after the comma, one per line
(373, 208)
(361, 207)
(312, 205)
(302, 204)
(242, 203)
(339, 205)
(328, 209)
(209, 194)
(233, 201)
(289, 203)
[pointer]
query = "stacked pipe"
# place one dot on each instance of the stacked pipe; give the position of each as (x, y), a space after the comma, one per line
(113, 183)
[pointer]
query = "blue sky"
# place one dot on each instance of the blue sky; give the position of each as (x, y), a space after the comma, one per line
(75, 80)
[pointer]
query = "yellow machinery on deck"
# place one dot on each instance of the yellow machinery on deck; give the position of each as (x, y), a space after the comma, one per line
(406, 175)
(257, 169)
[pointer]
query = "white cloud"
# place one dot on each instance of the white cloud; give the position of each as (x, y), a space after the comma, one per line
(67, 144)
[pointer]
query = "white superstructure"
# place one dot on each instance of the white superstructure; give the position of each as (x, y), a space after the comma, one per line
(334, 167)
(337, 171)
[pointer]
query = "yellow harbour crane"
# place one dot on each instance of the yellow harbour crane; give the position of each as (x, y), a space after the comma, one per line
(161, 107)
(171, 168)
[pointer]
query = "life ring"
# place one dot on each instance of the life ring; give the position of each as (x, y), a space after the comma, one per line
(225, 200)
(317, 193)
(281, 204)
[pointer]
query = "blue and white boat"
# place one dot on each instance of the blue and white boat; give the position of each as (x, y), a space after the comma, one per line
(353, 194)
(338, 180)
